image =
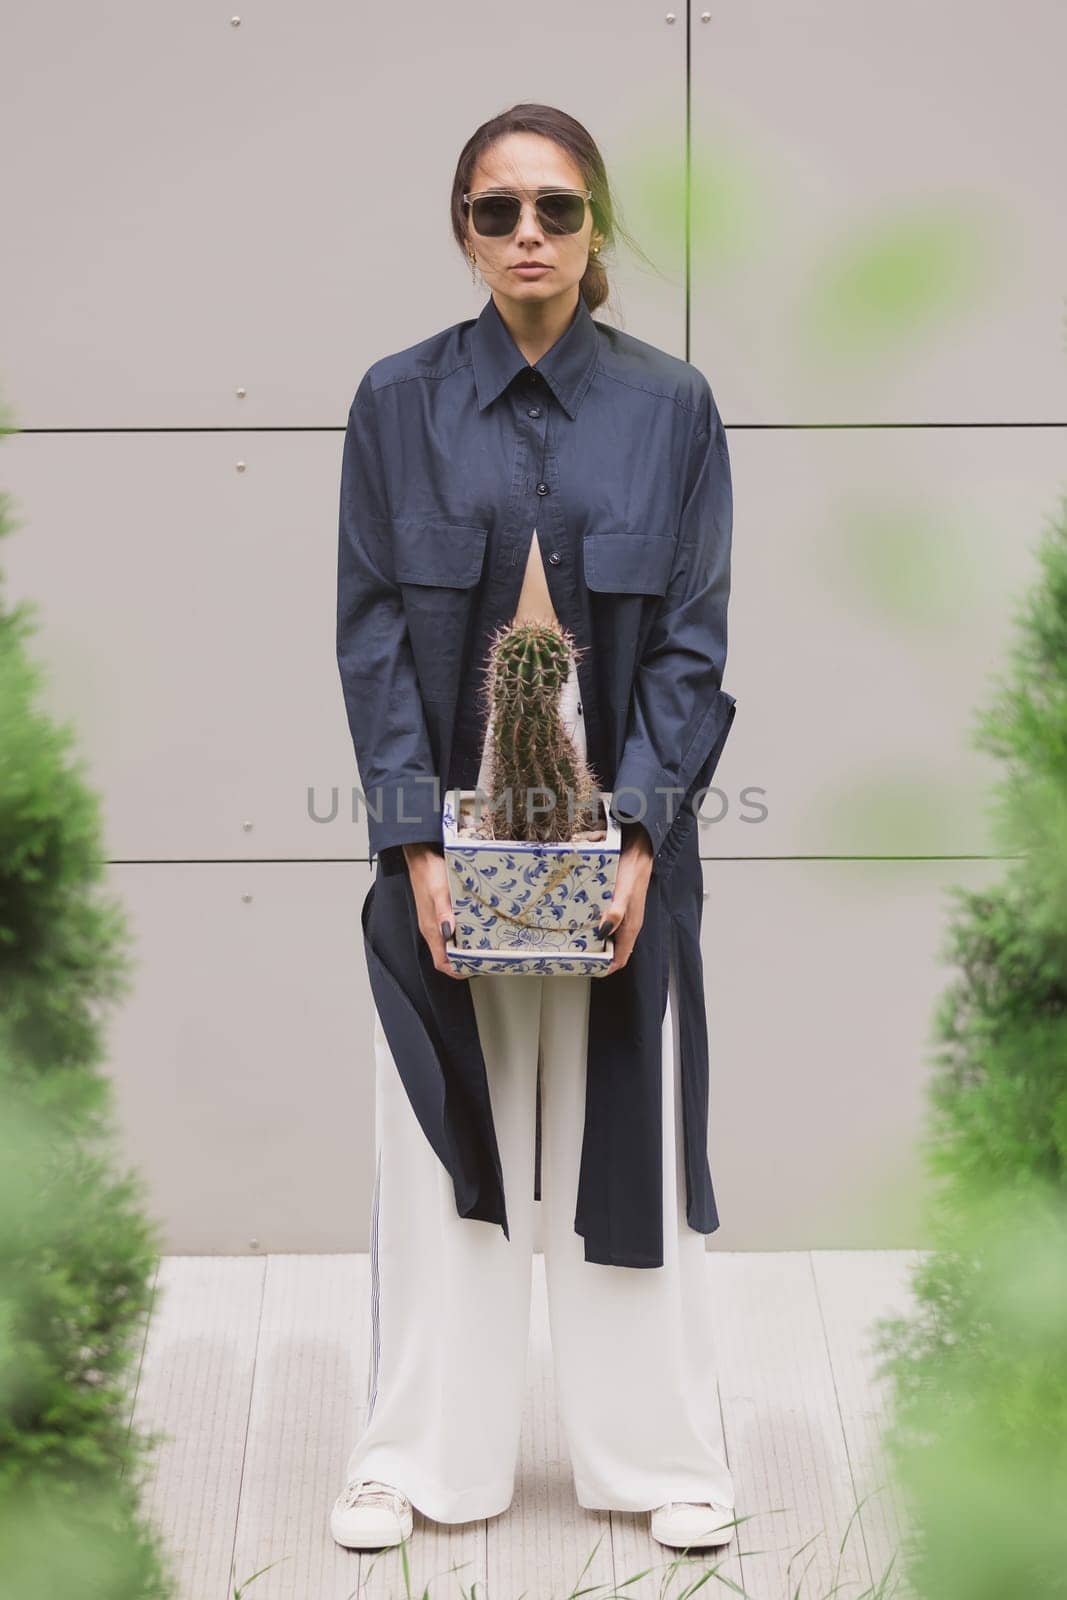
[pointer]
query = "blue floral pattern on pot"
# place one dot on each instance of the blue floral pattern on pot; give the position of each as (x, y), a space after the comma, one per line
(529, 907)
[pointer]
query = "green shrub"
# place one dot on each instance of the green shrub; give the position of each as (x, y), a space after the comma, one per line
(978, 1437)
(77, 1252)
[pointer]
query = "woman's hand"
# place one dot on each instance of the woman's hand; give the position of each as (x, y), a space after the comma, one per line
(626, 910)
(433, 901)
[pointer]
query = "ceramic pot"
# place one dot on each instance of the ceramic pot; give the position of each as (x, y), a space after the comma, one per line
(528, 907)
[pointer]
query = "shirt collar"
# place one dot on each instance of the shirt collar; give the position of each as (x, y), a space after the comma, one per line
(568, 367)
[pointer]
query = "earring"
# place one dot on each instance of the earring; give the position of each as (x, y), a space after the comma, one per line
(474, 271)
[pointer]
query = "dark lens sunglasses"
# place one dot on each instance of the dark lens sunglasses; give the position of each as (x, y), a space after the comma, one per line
(494, 216)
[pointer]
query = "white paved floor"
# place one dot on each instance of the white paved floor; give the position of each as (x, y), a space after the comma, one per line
(254, 1377)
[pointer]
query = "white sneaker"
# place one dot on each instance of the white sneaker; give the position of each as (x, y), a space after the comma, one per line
(683, 1524)
(368, 1515)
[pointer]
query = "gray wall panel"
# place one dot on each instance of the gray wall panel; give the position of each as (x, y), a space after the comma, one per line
(875, 576)
(244, 1058)
(201, 207)
(878, 224)
(188, 619)
(821, 980)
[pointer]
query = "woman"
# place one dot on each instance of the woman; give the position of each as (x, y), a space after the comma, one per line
(534, 463)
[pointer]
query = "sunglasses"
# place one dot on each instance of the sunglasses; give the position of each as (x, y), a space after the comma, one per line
(496, 214)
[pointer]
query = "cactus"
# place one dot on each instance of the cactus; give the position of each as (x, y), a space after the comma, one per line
(540, 787)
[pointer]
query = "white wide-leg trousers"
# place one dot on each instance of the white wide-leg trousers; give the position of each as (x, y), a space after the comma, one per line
(632, 1346)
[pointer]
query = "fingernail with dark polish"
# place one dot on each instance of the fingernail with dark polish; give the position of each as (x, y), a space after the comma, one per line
(603, 931)
(446, 931)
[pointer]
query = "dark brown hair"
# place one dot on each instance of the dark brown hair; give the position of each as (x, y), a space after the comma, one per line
(579, 144)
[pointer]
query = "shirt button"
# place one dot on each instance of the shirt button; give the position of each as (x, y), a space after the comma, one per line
(554, 558)
(542, 488)
(534, 411)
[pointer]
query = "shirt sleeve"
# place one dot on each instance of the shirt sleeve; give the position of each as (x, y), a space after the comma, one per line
(679, 713)
(400, 788)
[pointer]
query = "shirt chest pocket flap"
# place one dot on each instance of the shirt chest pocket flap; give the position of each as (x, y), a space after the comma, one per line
(628, 563)
(447, 555)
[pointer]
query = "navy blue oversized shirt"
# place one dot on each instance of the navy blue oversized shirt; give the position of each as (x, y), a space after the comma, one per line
(456, 450)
